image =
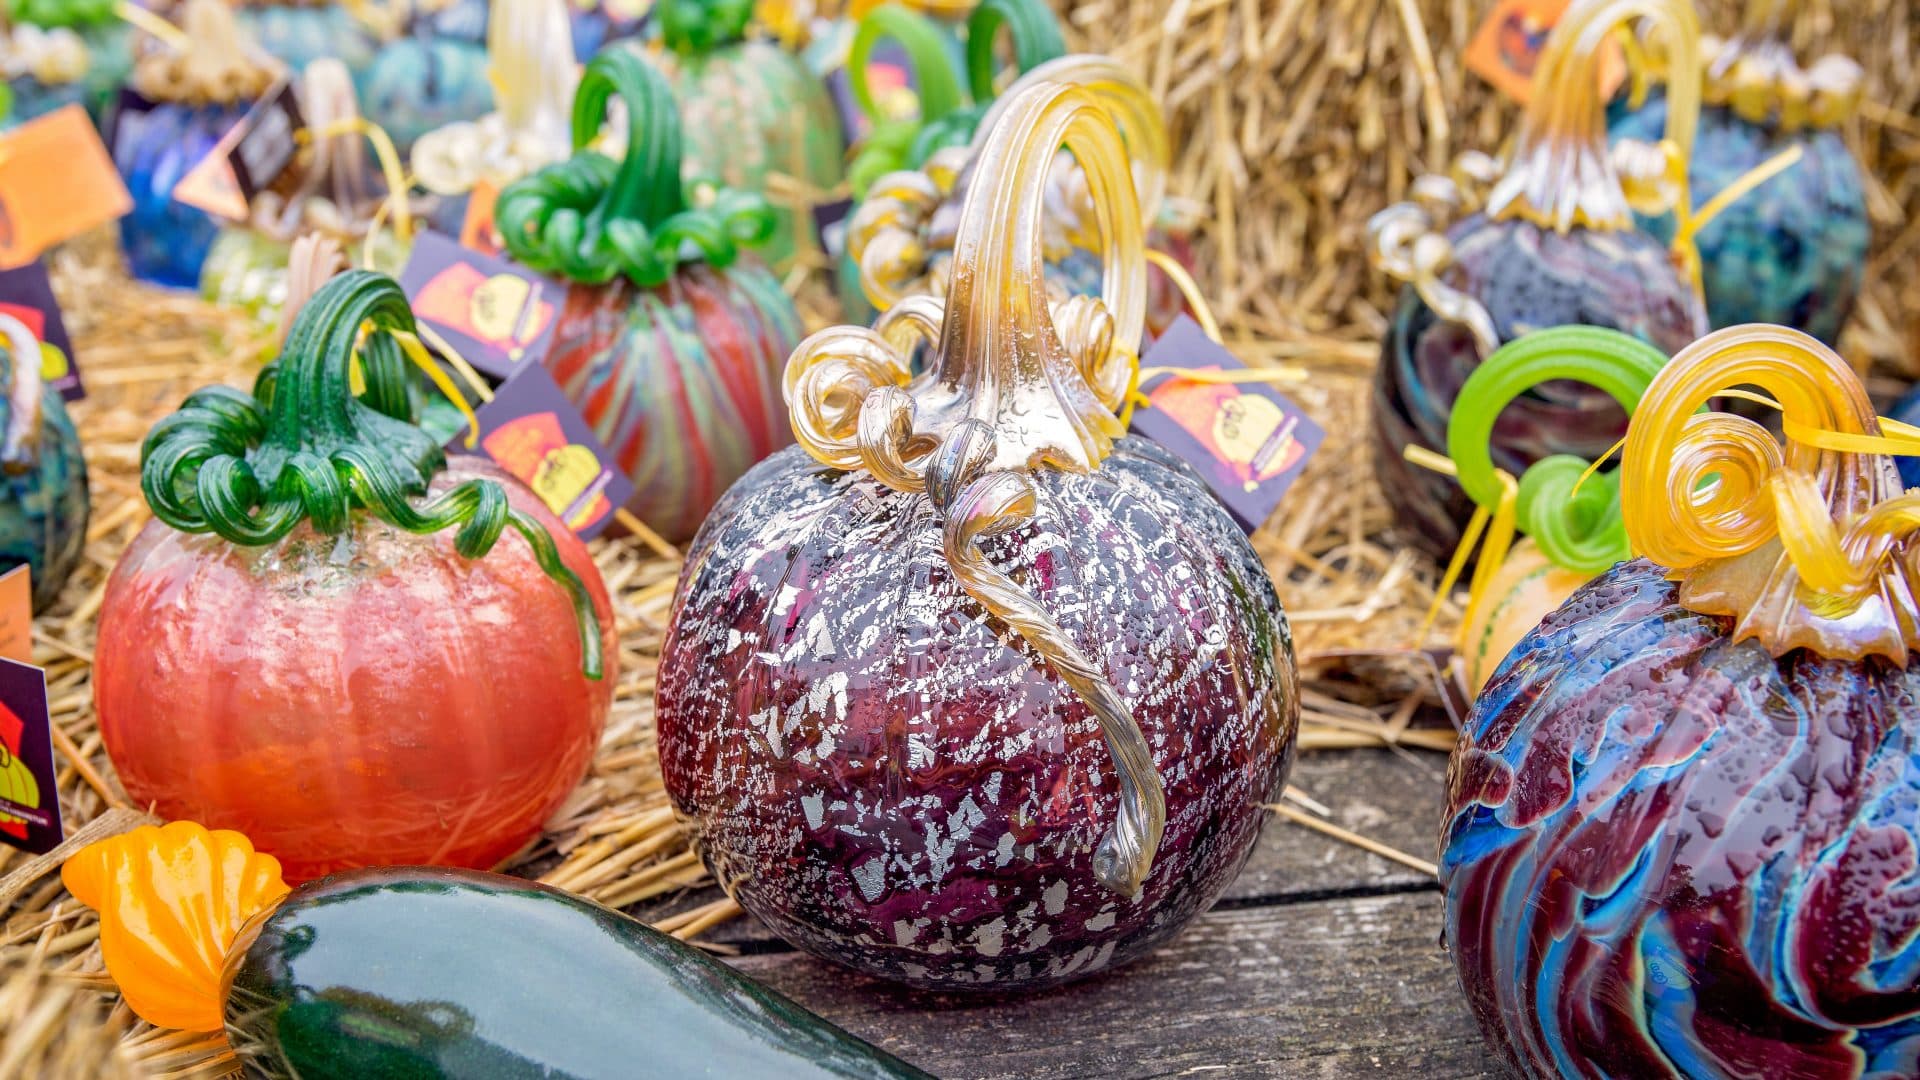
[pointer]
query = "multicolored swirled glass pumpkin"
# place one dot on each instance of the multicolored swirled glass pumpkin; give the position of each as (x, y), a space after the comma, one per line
(971, 690)
(901, 236)
(1684, 817)
(198, 96)
(64, 52)
(669, 345)
(1571, 520)
(1556, 245)
(43, 477)
(1793, 250)
(749, 110)
(326, 636)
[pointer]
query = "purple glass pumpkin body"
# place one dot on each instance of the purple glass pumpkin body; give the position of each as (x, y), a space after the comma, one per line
(1529, 278)
(1671, 854)
(891, 779)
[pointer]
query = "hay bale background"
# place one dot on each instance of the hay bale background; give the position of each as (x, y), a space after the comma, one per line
(1296, 119)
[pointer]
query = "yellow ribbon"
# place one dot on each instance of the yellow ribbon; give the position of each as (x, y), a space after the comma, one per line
(1499, 525)
(390, 171)
(142, 19)
(417, 352)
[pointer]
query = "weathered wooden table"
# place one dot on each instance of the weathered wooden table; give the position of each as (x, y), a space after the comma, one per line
(1320, 961)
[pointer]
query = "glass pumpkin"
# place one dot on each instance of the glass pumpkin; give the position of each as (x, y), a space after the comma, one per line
(64, 52)
(326, 639)
(197, 97)
(971, 690)
(1794, 250)
(1683, 818)
(1556, 245)
(900, 238)
(1569, 513)
(298, 32)
(43, 476)
(418, 83)
(749, 110)
(667, 340)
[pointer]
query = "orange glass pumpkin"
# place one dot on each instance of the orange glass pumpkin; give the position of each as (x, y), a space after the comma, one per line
(339, 671)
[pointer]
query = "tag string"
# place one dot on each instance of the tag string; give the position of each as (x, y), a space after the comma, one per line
(1189, 289)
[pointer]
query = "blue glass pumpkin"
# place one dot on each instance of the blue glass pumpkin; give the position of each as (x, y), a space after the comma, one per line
(43, 476)
(166, 241)
(297, 34)
(419, 83)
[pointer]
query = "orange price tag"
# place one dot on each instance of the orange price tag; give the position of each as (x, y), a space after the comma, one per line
(56, 181)
(1508, 45)
(476, 231)
(16, 615)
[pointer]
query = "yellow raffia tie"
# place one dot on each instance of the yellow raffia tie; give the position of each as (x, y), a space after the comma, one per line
(1202, 314)
(1500, 527)
(142, 19)
(397, 181)
(417, 352)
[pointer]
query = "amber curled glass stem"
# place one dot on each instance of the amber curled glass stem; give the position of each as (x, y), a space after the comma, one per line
(250, 468)
(1803, 543)
(1014, 386)
(1561, 174)
(591, 220)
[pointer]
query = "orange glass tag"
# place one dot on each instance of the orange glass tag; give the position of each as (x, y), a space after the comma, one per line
(56, 182)
(1508, 44)
(476, 231)
(16, 615)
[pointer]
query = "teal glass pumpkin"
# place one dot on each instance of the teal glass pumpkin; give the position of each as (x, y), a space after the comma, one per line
(43, 477)
(418, 83)
(297, 34)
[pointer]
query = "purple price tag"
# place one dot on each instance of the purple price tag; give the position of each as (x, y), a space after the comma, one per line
(1245, 440)
(531, 430)
(27, 295)
(496, 314)
(29, 787)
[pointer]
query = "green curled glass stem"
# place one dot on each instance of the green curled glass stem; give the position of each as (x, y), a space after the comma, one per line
(589, 219)
(694, 27)
(936, 79)
(250, 468)
(1578, 530)
(51, 14)
(1031, 26)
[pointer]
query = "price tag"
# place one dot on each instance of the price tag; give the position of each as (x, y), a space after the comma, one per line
(1508, 45)
(16, 614)
(476, 226)
(29, 787)
(496, 313)
(1247, 441)
(27, 295)
(531, 430)
(56, 181)
(250, 158)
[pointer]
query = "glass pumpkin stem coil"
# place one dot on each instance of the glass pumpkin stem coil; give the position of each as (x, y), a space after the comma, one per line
(1013, 387)
(890, 145)
(1806, 545)
(251, 468)
(592, 220)
(1573, 517)
(1560, 174)
(49, 14)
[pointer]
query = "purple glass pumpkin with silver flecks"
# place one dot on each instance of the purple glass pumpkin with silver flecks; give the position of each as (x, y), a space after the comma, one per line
(1669, 853)
(1529, 278)
(891, 778)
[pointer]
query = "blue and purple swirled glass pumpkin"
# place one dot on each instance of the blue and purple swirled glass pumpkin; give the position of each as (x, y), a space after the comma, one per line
(1528, 278)
(1792, 251)
(1670, 854)
(166, 241)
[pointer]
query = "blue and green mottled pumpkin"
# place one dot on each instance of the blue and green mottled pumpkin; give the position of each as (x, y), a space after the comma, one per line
(298, 34)
(43, 479)
(417, 84)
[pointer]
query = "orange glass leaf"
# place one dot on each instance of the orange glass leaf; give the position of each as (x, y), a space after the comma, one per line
(171, 900)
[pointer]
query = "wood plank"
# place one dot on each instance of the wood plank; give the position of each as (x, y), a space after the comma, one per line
(1333, 988)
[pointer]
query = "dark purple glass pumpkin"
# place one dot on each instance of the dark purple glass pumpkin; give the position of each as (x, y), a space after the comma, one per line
(932, 674)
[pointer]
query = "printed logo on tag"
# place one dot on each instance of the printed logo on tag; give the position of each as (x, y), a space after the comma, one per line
(1508, 45)
(27, 295)
(1247, 441)
(495, 313)
(56, 181)
(248, 159)
(29, 787)
(531, 430)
